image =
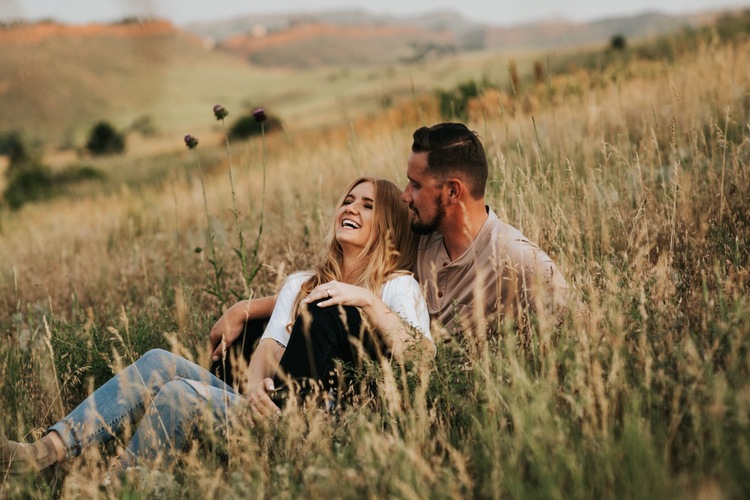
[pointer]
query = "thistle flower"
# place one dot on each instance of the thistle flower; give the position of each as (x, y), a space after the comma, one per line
(219, 112)
(190, 141)
(259, 115)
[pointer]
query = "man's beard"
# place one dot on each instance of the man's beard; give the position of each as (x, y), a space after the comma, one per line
(427, 227)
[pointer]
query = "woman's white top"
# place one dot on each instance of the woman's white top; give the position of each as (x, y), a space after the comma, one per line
(401, 294)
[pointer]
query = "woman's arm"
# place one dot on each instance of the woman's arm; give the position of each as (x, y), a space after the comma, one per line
(398, 335)
(263, 365)
(230, 325)
(265, 360)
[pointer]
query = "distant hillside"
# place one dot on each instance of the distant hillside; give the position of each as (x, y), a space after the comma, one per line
(355, 36)
(56, 81)
(54, 78)
(311, 45)
(466, 34)
(551, 34)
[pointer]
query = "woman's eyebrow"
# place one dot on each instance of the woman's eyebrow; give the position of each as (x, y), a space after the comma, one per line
(365, 198)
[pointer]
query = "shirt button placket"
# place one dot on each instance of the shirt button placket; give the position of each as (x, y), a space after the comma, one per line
(441, 285)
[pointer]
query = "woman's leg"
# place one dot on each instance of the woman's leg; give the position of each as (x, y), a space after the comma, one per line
(327, 334)
(124, 399)
(179, 408)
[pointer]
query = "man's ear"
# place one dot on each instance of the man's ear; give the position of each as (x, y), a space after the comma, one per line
(454, 190)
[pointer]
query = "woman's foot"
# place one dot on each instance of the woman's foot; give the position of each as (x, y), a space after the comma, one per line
(22, 458)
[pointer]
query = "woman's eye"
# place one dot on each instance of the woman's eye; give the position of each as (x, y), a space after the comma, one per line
(368, 206)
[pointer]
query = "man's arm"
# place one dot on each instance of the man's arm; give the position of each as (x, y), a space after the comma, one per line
(229, 327)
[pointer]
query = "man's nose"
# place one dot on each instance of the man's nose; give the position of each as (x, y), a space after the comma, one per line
(405, 195)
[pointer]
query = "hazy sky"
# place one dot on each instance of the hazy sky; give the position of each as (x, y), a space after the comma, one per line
(502, 12)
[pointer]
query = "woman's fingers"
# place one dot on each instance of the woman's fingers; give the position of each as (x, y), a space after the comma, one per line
(329, 293)
(260, 401)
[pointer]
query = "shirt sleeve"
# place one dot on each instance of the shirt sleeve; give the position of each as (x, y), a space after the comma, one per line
(404, 296)
(282, 311)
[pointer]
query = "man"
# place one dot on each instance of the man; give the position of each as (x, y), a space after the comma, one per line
(473, 267)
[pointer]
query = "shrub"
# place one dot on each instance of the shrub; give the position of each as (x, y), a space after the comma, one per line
(36, 182)
(145, 126)
(105, 140)
(247, 126)
(618, 42)
(14, 145)
(27, 184)
(454, 102)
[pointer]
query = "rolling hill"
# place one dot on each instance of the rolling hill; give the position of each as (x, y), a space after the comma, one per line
(56, 81)
(255, 36)
(314, 44)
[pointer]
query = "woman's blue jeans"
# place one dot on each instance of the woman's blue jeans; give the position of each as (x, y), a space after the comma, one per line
(166, 393)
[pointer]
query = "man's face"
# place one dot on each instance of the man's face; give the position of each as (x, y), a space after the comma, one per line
(424, 195)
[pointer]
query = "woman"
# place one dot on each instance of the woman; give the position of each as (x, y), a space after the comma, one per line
(362, 272)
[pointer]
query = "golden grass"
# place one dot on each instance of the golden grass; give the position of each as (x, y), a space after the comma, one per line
(636, 182)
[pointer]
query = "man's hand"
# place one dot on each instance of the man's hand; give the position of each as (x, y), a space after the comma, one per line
(228, 328)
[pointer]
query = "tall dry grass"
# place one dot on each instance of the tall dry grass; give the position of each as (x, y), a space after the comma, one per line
(635, 181)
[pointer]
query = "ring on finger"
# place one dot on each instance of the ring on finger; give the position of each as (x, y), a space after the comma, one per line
(328, 291)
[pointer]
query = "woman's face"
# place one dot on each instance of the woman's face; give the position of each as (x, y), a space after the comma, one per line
(354, 219)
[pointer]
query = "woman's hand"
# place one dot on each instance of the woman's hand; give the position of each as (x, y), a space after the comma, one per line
(263, 365)
(396, 336)
(260, 401)
(338, 293)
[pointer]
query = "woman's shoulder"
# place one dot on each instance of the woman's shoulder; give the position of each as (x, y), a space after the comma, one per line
(296, 278)
(400, 282)
(298, 275)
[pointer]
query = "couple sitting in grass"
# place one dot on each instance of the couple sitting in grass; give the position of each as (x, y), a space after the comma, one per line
(372, 295)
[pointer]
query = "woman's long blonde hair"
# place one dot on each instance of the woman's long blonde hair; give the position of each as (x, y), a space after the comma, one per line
(389, 252)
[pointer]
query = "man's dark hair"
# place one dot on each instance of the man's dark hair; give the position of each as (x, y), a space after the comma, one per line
(453, 149)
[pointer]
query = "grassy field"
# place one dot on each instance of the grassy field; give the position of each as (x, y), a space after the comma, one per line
(633, 177)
